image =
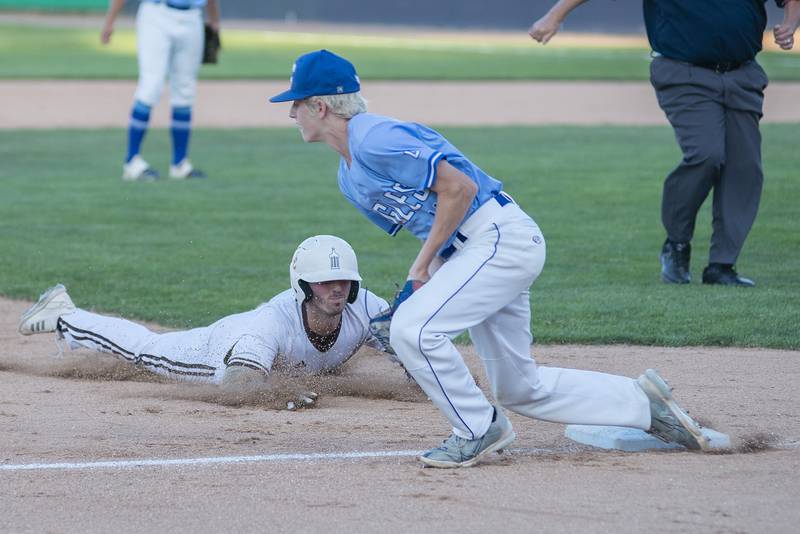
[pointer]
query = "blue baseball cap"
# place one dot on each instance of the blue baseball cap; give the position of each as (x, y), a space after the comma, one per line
(320, 73)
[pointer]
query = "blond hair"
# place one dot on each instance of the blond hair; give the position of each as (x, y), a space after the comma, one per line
(345, 106)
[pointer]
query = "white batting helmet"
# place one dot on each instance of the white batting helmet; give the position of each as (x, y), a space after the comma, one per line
(323, 258)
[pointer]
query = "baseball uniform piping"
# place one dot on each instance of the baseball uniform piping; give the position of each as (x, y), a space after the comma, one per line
(97, 338)
(247, 362)
(432, 161)
(419, 337)
(177, 363)
(178, 371)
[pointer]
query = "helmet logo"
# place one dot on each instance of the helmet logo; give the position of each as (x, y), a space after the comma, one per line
(334, 260)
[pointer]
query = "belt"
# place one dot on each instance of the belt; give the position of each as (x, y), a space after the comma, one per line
(499, 197)
(724, 66)
(721, 67)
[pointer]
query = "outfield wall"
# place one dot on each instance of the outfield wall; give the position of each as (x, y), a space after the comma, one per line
(54, 5)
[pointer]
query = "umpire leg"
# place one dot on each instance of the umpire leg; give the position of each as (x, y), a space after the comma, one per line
(691, 98)
(738, 193)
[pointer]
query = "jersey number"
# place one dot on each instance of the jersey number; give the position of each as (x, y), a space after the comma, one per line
(405, 202)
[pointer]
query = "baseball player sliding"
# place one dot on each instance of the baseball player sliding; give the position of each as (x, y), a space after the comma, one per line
(169, 44)
(314, 327)
(480, 254)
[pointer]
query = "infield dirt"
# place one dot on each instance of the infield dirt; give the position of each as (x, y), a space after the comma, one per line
(82, 407)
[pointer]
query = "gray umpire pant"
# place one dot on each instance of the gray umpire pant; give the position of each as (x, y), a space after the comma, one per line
(715, 117)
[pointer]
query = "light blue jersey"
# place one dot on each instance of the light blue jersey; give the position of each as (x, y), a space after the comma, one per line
(180, 4)
(393, 168)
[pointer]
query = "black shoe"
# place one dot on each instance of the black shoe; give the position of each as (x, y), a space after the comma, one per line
(724, 275)
(675, 262)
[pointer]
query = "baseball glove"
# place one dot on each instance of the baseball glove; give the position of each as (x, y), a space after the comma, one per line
(380, 325)
(211, 45)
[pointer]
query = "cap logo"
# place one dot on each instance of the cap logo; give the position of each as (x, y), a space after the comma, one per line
(339, 89)
(334, 260)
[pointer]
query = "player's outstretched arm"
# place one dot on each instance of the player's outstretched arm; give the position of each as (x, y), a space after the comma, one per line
(114, 7)
(546, 27)
(784, 32)
(242, 385)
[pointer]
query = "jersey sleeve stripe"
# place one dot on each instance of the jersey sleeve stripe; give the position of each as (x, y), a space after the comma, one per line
(248, 365)
(247, 362)
(433, 161)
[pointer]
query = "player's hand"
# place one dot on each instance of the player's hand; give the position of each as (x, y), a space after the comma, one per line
(784, 36)
(302, 399)
(406, 291)
(105, 34)
(544, 29)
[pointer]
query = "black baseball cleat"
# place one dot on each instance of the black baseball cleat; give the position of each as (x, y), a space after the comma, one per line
(724, 274)
(675, 262)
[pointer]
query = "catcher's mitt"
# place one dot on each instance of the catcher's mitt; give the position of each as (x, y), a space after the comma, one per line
(211, 45)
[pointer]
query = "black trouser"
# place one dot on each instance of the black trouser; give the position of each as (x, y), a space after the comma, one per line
(715, 117)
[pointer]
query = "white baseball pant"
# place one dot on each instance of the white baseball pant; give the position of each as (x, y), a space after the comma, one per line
(193, 355)
(484, 287)
(169, 44)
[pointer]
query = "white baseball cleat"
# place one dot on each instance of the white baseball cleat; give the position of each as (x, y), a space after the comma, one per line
(184, 170)
(43, 316)
(138, 169)
(668, 421)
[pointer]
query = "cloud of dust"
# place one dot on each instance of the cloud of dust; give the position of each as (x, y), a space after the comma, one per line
(283, 389)
(82, 367)
(759, 442)
(378, 383)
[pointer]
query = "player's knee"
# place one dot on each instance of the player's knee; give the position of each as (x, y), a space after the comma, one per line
(709, 155)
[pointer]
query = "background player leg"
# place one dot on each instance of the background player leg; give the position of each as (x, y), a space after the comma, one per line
(153, 49)
(184, 68)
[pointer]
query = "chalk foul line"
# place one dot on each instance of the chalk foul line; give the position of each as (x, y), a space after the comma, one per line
(167, 462)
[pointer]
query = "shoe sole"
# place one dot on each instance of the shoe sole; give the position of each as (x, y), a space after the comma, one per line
(667, 280)
(656, 385)
(42, 303)
(501, 443)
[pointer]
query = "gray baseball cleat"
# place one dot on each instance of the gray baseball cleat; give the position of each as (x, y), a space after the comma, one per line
(43, 316)
(668, 421)
(461, 452)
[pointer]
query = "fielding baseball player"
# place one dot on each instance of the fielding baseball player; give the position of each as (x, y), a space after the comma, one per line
(314, 327)
(480, 254)
(169, 44)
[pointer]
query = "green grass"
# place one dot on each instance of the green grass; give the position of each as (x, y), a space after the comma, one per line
(76, 53)
(187, 253)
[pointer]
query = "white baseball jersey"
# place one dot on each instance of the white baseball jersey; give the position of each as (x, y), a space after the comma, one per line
(493, 257)
(270, 335)
(169, 44)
